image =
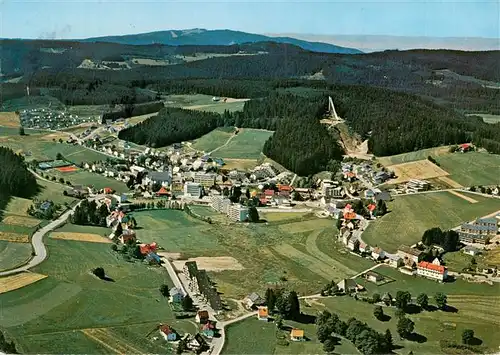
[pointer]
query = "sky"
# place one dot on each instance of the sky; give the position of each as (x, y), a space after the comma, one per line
(46, 19)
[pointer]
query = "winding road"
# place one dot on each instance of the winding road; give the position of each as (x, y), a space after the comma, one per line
(39, 249)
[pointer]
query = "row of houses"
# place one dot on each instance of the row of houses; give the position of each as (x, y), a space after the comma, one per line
(200, 283)
(480, 231)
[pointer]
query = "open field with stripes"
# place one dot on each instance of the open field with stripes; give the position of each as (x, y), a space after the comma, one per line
(411, 215)
(460, 169)
(101, 312)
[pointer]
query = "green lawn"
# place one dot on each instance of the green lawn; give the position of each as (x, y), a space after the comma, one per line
(247, 144)
(83, 177)
(457, 261)
(74, 228)
(43, 148)
(203, 103)
(13, 254)
(411, 215)
(473, 313)
(213, 140)
(473, 168)
(241, 339)
(416, 285)
(414, 156)
(52, 315)
(285, 254)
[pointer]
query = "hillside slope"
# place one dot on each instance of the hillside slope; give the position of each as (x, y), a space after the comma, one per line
(216, 37)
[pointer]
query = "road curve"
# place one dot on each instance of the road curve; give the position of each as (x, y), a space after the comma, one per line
(38, 246)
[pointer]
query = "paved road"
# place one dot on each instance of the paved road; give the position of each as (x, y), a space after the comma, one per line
(38, 246)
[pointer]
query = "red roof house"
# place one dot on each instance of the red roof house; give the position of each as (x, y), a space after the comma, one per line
(285, 188)
(168, 333)
(371, 207)
(269, 192)
(107, 190)
(432, 271)
(162, 192)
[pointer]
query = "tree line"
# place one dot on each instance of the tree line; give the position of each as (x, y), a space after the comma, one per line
(15, 179)
(88, 213)
(300, 142)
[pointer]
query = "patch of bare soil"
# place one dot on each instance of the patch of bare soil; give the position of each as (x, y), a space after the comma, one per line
(216, 263)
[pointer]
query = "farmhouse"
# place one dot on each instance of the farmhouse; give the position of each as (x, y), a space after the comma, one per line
(394, 261)
(431, 271)
(297, 335)
(168, 333)
(176, 295)
(263, 313)
(254, 299)
(378, 253)
(208, 329)
(470, 250)
(409, 255)
(373, 277)
(202, 317)
(347, 285)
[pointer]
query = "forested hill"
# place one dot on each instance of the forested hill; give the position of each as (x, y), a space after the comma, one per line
(216, 37)
(15, 179)
(300, 142)
(392, 122)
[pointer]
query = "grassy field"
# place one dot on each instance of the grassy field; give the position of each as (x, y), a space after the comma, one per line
(241, 339)
(72, 311)
(473, 168)
(43, 148)
(247, 144)
(13, 254)
(285, 253)
(414, 156)
(82, 177)
(487, 117)
(411, 215)
(204, 103)
(281, 216)
(480, 313)
(213, 140)
(74, 228)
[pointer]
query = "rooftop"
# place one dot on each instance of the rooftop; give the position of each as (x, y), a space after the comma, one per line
(431, 266)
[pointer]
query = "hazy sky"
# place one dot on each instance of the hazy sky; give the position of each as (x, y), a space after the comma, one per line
(80, 19)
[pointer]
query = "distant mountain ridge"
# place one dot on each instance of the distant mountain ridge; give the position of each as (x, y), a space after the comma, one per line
(200, 36)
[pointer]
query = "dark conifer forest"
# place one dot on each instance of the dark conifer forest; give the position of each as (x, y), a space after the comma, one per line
(15, 179)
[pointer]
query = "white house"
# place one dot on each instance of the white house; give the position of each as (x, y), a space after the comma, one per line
(378, 253)
(470, 250)
(432, 271)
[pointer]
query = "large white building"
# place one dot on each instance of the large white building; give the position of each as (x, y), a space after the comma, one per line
(234, 211)
(192, 189)
(205, 179)
(432, 271)
(237, 212)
